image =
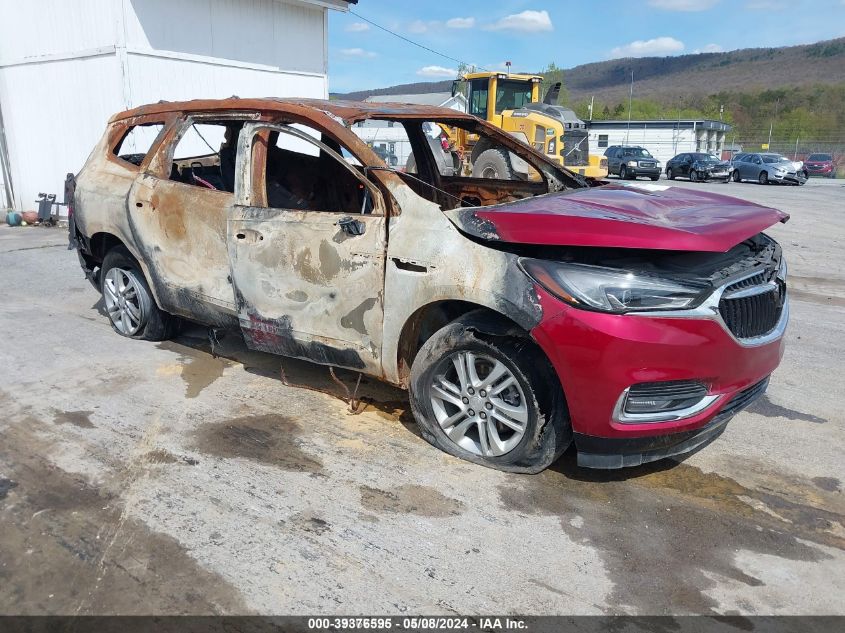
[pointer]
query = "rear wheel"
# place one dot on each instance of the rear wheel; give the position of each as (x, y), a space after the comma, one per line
(489, 399)
(492, 163)
(763, 178)
(129, 303)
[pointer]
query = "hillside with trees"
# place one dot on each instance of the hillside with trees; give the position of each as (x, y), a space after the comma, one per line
(798, 91)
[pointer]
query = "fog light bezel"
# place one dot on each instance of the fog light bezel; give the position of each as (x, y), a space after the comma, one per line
(621, 415)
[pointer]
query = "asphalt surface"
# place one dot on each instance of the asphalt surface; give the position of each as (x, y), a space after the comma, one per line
(157, 478)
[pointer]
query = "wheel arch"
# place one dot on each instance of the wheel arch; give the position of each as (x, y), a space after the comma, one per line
(423, 323)
(100, 243)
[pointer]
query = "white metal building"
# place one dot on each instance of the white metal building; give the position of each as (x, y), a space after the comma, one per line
(66, 67)
(663, 138)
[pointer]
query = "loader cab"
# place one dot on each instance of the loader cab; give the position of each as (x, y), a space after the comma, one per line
(489, 95)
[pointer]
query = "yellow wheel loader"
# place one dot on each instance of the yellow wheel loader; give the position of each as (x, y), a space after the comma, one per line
(512, 102)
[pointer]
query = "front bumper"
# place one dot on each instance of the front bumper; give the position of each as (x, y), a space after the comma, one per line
(643, 171)
(609, 453)
(597, 356)
(790, 177)
(820, 171)
(717, 175)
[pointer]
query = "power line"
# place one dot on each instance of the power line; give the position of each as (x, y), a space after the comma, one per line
(405, 39)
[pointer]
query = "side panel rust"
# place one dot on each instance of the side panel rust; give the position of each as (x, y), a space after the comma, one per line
(307, 289)
(429, 261)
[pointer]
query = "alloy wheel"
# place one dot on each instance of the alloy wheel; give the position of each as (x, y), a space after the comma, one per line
(123, 301)
(479, 403)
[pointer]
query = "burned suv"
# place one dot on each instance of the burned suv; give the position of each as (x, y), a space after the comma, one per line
(522, 315)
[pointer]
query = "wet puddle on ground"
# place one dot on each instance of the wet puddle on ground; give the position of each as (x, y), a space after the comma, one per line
(66, 547)
(198, 368)
(269, 439)
(664, 531)
(81, 419)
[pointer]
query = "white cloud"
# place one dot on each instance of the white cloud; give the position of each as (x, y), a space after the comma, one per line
(683, 5)
(418, 26)
(658, 46)
(356, 53)
(357, 27)
(437, 71)
(710, 48)
(460, 23)
(526, 22)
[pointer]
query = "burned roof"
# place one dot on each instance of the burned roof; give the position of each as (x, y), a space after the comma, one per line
(349, 111)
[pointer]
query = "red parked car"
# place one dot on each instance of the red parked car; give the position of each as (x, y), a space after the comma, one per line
(523, 315)
(820, 165)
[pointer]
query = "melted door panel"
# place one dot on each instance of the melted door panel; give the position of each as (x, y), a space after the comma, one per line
(182, 232)
(307, 289)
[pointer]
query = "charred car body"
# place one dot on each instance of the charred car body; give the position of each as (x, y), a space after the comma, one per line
(522, 315)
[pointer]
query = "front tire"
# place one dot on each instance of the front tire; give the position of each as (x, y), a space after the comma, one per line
(623, 173)
(490, 399)
(693, 176)
(763, 178)
(492, 163)
(736, 176)
(129, 303)
(670, 174)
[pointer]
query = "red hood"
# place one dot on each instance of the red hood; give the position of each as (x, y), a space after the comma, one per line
(622, 216)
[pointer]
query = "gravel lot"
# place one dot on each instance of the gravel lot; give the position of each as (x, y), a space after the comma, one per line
(157, 478)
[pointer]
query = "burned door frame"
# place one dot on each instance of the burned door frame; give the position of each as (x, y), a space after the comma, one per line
(306, 285)
(181, 231)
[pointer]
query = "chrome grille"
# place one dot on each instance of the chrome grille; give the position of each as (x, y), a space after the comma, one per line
(753, 315)
(755, 280)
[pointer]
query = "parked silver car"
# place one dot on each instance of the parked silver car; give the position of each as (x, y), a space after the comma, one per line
(766, 168)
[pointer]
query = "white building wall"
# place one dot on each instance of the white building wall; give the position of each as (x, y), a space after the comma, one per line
(66, 67)
(53, 114)
(663, 143)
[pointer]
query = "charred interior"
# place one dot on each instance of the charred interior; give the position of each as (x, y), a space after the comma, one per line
(498, 170)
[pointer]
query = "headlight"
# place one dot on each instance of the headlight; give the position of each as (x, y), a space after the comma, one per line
(632, 163)
(657, 163)
(782, 269)
(609, 289)
(780, 170)
(552, 146)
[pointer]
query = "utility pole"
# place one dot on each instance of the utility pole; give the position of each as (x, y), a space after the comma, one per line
(630, 105)
(795, 155)
(591, 107)
(772, 124)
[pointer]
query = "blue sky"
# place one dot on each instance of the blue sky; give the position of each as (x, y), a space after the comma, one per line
(531, 34)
